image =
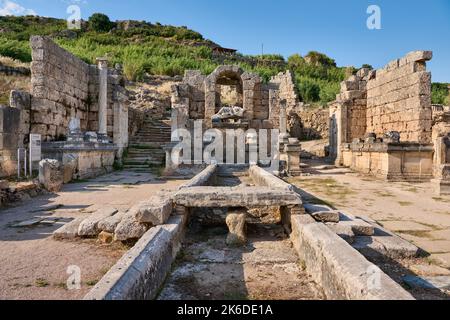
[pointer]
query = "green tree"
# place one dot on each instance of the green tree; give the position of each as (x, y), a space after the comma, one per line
(100, 22)
(317, 58)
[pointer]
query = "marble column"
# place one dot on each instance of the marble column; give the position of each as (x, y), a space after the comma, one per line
(103, 98)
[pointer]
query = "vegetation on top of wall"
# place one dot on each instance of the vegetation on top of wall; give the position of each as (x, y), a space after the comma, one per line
(142, 47)
(440, 93)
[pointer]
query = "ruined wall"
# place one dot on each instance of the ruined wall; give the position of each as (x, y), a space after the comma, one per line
(286, 87)
(309, 124)
(60, 89)
(14, 130)
(399, 99)
(353, 101)
(65, 87)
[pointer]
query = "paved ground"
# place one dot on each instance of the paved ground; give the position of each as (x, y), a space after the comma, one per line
(34, 266)
(411, 210)
(267, 268)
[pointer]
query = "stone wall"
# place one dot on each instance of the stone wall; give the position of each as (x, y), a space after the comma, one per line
(286, 87)
(353, 100)
(60, 89)
(309, 124)
(65, 87)
(399, 99)
(14, 130)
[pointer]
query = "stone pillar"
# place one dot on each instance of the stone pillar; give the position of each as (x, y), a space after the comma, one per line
(292, 151)
(103, 98)
(284, 135)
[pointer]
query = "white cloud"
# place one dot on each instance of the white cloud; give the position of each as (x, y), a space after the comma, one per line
(10, 8)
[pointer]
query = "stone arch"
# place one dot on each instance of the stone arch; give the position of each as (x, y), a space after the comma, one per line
(247, 81)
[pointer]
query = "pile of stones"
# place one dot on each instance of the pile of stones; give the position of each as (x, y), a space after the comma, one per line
(110, 224)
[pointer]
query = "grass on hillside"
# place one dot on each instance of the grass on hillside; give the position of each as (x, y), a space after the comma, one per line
(167, 50)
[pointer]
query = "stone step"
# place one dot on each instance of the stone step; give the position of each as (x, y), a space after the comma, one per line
(144, 146)
(142, 160)
(146, 154)
(142, 164)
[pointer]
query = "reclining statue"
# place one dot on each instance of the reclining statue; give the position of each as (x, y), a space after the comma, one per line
(227, 112)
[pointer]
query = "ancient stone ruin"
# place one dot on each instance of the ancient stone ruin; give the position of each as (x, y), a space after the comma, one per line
(80, 111)
(383, 124)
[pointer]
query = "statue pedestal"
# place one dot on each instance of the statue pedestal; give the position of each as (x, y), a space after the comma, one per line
(292, 156)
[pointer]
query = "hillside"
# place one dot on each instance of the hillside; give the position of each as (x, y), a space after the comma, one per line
(143, 47)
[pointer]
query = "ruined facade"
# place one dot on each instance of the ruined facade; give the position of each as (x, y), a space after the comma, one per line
(382, 121)
(200, 97)
(64, 89)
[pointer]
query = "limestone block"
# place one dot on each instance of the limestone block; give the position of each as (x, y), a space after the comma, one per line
(236, 225)
(419, 56)
(110, 223)
(88, 227)
(69, 231)
(155, 210)
(51, 175)
(70, 164)
(105, 237)
(326, 216)
(129, 228)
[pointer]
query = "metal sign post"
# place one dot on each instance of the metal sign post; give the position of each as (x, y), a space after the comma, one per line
(35, 150)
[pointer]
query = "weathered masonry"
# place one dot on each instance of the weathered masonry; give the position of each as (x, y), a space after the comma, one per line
(80, 110)
(382, 123)
(230, 98)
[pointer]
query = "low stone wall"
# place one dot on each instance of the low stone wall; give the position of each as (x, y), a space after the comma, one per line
(263, 178)
(203, 178)
(89, 161)
(402, 162)
(342, 271)
(140, 273)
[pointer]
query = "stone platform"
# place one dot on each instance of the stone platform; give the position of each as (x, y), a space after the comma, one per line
(197, 197)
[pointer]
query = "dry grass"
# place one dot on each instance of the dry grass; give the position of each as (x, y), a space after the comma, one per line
(10, 62)
(8, 83)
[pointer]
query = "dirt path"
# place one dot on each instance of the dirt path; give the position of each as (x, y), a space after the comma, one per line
(267, 268)
(34, 266)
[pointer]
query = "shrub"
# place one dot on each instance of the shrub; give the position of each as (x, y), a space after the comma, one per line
(439, 93)
(100, 22)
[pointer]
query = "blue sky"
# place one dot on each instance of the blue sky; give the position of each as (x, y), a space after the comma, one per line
(337, 28)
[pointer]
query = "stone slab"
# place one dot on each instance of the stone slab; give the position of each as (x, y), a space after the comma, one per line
(342, 272)
(215, 197)
(429, 270)
(129, 228)
(88, 227)
(438, 282)
(139, 274)
(109, 224)
(388, 243)
(68, 231)
(326, 216)
(311, 208)
(28, 223)
(155, 210)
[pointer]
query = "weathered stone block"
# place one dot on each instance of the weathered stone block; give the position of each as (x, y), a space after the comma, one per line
(236, 225)
(89, 226)
(155, 210)
(129, 228)
(51, 174)
(326, 216)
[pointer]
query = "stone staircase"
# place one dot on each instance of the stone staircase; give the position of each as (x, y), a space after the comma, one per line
(145, 148)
